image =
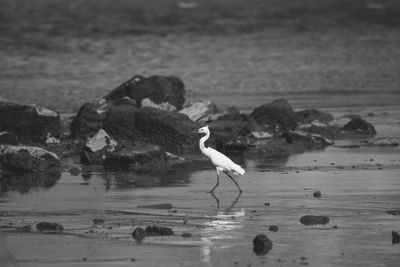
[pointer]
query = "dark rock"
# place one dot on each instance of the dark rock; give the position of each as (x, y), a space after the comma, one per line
(165, 89)
(186, 235)
(226, 133)
(307, 140)
(68, 149)
(309, 115)
(74, 171)
(261, 245)
(395, 237)
(144, 158)
(358, 126)
(120, 122)
(171, 130)
(98, 221)
(139, 234)
(317, 194)
(8, 138)
(46, 226)
(277, 116)
(395, 212)
(29, 122)
(158, 231)
(312, 220)
(199, 110)
(88, 121)
(273, 228)
(229, 130)
(27, 159)
(159, 89)
(23, 182)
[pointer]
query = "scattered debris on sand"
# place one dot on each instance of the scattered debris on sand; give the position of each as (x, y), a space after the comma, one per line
(158, 231)
(395, 212)
(313, 219)
(47, 226)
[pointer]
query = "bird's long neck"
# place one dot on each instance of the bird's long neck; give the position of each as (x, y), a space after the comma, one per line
(203, 148)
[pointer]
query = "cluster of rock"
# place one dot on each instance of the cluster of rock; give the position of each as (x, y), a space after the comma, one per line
(143, 125)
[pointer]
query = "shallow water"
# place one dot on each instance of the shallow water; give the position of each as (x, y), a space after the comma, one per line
(358, 186)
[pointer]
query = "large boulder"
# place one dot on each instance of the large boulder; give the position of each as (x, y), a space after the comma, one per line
(278, 116)
(29, 122)
(145, 158)
(159, 89)
(171, 130)
(124, 121)
(120, 122)
(27, 159)
(358, 126)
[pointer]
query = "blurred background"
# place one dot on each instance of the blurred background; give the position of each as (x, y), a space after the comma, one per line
(323, 53)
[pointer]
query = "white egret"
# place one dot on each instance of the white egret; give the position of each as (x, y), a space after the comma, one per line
(222, 163)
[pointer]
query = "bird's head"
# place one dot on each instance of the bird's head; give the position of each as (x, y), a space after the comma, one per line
(204, 129)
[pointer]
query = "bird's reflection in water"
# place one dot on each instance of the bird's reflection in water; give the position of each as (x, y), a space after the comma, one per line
(224, 226)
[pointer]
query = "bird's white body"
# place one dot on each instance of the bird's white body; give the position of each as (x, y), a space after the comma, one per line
(221, 162)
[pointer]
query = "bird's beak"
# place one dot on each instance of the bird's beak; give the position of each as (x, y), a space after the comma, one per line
(195, 131)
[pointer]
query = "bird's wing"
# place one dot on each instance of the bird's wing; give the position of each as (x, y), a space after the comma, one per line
(221, 160)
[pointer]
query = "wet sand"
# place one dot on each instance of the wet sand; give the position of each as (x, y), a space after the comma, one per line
(344, 61)
(358, 186)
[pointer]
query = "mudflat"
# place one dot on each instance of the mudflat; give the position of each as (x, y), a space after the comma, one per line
(336, 56)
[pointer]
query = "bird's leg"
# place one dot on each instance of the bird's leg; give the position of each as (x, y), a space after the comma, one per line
(212, 190)
(233, 203)
(216, 199)
(233, 179)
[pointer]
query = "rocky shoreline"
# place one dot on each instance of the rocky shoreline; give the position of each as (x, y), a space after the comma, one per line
(144, 126)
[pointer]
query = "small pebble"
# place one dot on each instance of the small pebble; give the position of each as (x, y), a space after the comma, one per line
(273, 228)
(186, 235)
(317, 194)
(395, 237)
